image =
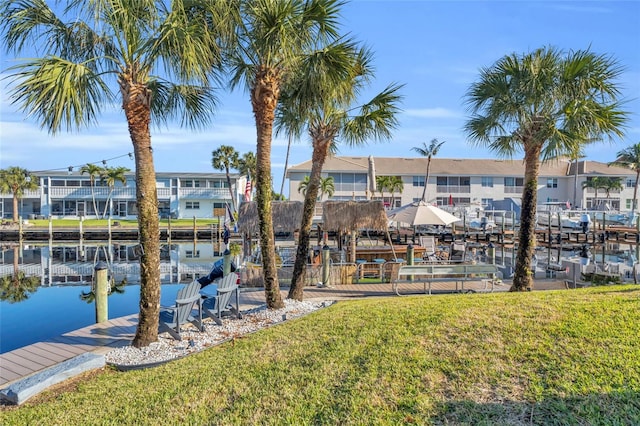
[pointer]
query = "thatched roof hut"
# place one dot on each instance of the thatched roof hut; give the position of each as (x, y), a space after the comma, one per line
(346, 216)
(286, 216)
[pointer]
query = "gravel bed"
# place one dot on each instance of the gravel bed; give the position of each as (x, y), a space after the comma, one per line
(167, 348)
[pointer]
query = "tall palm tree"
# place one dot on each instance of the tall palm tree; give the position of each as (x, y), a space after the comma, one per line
(156, 59)
(595, 183)
(94, 171)
(111, 175)
(630, 158)
(324, 101)
(428, 151)
(274, 36)
(16, 180)
(395, 185)
(544, 103)
(226, 158)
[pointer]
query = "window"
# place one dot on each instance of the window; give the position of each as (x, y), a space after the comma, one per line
(192, 205)
(190, 183)
(552, 182)
(190, 254)
(487, 202)
(513, 181)
(629, 203)
(487, 181)
(631, 183)
(418, 181)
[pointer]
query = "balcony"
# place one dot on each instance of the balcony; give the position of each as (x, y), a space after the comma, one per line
(513, 189)
(203, 193)
(453, 189)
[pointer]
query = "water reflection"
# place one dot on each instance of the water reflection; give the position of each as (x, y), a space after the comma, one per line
(47, 288)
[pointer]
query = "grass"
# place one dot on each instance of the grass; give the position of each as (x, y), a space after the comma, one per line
(540, 358)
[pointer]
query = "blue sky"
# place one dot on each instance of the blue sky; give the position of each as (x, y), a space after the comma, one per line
(434, 48)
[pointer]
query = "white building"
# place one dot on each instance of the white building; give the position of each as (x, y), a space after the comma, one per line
(469, 182)
(180, 195)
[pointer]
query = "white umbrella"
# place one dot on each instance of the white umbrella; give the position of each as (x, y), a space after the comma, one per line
(421, 213)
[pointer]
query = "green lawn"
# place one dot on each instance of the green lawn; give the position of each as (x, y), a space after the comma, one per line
(549, 357)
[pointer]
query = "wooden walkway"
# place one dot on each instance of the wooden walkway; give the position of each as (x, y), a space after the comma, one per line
(101, 338)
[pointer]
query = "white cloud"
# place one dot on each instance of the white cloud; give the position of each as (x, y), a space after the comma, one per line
(432, 113)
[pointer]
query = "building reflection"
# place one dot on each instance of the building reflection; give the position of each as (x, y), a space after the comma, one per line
(73, 263)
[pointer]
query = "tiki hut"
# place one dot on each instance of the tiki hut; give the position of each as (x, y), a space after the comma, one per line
(351, 216)
(286, 216)
(347, 216)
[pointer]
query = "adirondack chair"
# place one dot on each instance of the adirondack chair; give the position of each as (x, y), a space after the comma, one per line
(219, 304)
(173, 317)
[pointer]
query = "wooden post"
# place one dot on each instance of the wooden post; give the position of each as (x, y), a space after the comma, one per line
(195, 229)
(326, 265)
(102, 292)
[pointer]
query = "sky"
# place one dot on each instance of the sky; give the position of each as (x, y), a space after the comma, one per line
(434, 48)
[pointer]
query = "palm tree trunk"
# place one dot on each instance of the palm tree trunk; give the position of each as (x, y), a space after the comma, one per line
(233, 197)
(264, 99)
(635, 195)
(136, 105)
(286, 164)
(523, 276)
(320, 151)
(16, 214)
(426, 180)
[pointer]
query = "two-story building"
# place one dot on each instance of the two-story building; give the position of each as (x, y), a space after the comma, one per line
(468, 182)
(180, 195)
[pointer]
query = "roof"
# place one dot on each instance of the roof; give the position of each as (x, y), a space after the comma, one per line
(399, 166)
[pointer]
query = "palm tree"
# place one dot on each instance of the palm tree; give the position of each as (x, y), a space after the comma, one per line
(395, 185)
(226, 158)
(247, 165)
(595, 182)
(611, 184)
(327, 186)
(630, 158)
(16, 180)
(17, 287)
(302, 186)
(546, 104)
(156, 60)
(94, 172)
(428, 151)
(322, 101)
(274, 35)
(382, 184)
(111, 175)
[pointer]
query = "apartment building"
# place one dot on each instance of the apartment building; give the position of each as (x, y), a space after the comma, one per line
(468, 182)
(71, 194)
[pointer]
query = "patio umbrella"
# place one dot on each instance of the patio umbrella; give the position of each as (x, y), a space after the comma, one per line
(421, 213)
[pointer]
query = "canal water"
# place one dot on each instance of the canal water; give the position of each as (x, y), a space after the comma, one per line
(54, 295)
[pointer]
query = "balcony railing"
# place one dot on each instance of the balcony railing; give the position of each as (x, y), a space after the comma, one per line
(513, 189)
(602, 191)
(451, 189)
(203, 193)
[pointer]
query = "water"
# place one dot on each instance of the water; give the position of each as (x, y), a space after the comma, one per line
(64, 271)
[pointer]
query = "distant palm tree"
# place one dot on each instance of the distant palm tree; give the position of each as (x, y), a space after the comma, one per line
(111, 175)
(611, 184)
(226, 158)
(428, 151)
(302, 186)
(327, 186)
(247, 167)
(545, 104)
(630, 158)
(16, 180)
(382, 184)
(94, 172)
(395, 185)
(595, 183)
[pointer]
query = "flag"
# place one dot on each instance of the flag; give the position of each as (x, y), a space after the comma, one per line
(228, 215)
(247, 189)
(568, 205)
